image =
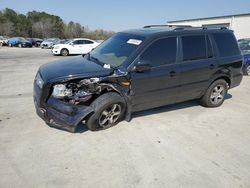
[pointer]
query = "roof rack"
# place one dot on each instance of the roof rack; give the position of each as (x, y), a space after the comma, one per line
(183, 27)
(149, 26)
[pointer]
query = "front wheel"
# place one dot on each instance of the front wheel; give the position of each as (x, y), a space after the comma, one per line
(109, 110)
(64, 52)
(215, 94)
(20, 45)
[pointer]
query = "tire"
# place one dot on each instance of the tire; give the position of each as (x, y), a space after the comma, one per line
(109, 110)
(10, 45)
(20, 45)
(215, 94)
(64, 52)
(247, 70)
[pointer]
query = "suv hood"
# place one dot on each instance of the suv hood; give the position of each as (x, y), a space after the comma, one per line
(70, 68)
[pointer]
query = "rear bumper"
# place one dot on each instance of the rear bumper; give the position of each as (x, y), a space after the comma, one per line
(236, 80)
(59, 114)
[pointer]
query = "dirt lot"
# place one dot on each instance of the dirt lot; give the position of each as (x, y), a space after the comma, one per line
(183, 145)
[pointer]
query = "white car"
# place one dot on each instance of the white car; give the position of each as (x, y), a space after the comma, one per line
(75, 46)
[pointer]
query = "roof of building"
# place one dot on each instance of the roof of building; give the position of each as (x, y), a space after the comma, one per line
(215, 17)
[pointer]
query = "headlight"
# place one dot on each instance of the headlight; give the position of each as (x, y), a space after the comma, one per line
(39, 81)
(60, 91)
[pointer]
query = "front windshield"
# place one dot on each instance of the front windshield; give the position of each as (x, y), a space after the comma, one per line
(244, 45)
(116, 49)
(69, 41)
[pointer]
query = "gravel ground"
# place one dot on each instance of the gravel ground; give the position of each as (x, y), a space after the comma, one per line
(182, 145)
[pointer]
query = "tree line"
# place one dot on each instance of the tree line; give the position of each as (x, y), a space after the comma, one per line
(43, 25)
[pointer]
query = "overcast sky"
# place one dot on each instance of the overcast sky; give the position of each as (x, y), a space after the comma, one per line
(120, 15)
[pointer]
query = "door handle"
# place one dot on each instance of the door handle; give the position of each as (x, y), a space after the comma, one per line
(172, 73)
(211, 66)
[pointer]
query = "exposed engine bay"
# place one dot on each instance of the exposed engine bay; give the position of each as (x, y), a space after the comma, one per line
(79, 92)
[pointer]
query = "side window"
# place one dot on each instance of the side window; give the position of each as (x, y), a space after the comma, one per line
(226, 44)
(209, 48)
(88, 42)
(76, 42)
(80, 41)
(194, 47)
(160, 52)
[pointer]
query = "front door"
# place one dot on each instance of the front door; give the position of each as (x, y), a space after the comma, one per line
(159, 85)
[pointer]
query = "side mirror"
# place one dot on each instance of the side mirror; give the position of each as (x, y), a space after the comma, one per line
(142, 66)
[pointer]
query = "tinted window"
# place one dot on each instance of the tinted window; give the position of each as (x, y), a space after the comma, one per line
(194, 47)
(81, 42)
(88, 42)
(209, 48)
(226, 44)
(76, 42)
(161, 52)
(244, 45)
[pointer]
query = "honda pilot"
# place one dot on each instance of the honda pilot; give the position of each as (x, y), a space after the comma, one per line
(137, 70)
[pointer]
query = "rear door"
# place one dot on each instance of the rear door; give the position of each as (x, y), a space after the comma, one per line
(159, 85)
(197, 66)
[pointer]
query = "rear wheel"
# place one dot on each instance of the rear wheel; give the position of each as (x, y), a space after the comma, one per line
(109, 110)
(215, 94)
(247, 70)
(64, 52)
(10, 45)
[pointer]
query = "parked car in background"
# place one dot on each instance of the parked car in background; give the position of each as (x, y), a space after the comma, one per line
(136, 70)
(19, 41)
(63, 41)
(74, 46)
(4, 40)
(48, 43)
(35, 41)
(244, 45)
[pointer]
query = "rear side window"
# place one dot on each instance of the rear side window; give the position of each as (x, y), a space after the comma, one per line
(226, 44)
(161, 52)
(194, 47)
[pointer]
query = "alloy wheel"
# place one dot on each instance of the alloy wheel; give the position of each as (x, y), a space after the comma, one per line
(217, 94)
(110, 116)
(64, 52)
(248, 70)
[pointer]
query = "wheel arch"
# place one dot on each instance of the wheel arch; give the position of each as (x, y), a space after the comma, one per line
(222, 76)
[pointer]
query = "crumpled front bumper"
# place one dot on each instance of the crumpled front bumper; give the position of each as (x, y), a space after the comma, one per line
(62, 115)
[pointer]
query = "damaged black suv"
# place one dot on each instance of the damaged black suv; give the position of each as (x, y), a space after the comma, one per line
(136, 70)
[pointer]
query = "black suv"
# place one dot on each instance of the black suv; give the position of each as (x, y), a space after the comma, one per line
(136, 70)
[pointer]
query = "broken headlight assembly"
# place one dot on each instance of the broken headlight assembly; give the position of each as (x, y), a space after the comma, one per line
(76, 92)
(73, 92)
(60, 91)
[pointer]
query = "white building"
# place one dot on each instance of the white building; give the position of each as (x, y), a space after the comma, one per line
(239, 23)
